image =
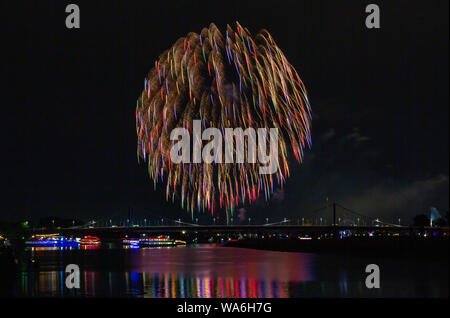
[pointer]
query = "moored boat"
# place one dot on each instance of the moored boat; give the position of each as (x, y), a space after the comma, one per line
(90, 240)
(130, 241)
(160, 241)
(51, 240)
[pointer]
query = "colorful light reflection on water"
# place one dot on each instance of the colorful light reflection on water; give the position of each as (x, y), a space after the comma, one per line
(203, 271)
(212, 271)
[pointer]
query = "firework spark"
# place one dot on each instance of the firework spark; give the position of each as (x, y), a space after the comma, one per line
(226, 81)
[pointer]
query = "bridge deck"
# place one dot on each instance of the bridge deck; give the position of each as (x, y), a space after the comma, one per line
(243, 228)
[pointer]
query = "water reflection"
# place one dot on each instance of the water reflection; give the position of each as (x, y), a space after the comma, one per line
(203, 271)
(90, 246)
(209, 271)
(158, 285)
(171, 285)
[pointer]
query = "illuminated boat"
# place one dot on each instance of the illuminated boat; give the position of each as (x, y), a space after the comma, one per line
(160, 241)
(90, 240)
(51, 240)
(130, 241)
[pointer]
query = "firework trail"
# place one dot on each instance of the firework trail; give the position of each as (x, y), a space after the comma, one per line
(226, 81)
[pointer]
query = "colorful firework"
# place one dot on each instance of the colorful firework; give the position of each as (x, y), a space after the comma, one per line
(226, 81)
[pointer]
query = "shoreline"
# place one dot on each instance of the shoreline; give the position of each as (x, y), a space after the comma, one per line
(393, 247)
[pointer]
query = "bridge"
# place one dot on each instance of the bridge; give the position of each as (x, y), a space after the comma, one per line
(236, 229)
(316, 223)
(331, 214)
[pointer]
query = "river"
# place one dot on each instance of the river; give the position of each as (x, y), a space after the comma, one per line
(214, 271)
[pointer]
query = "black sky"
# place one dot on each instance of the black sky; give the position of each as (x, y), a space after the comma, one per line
(380, 102)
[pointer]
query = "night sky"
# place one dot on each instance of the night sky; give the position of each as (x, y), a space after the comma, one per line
(379, 98)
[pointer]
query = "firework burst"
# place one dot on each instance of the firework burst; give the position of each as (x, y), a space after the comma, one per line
(227, 81)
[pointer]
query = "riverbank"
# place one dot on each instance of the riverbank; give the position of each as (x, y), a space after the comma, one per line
(422, 247)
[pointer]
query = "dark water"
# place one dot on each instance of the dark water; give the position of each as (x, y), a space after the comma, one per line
(214, 271)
